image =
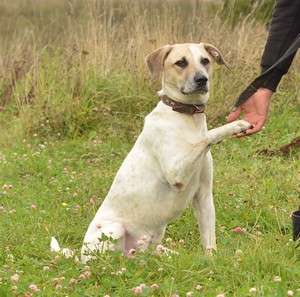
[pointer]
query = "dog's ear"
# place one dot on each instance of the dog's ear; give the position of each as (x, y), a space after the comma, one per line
(215, 54)
(155, 60)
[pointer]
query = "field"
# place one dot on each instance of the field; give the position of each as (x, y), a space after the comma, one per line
(74, 90)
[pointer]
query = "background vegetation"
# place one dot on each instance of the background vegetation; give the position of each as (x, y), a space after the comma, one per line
(74, 90)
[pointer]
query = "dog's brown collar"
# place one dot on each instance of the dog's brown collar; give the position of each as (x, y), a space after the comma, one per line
(183, 107)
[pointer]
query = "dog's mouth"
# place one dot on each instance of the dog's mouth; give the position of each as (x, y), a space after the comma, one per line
(200, 90)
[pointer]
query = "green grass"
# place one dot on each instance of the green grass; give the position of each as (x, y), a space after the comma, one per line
(68, 178)
(74, 114)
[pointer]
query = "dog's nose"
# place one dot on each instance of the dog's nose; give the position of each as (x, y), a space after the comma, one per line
(200, 79)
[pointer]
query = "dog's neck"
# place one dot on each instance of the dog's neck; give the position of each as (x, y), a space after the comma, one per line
(189, 109)
(186, 99)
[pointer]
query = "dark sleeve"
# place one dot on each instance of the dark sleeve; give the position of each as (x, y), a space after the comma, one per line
(285, 26)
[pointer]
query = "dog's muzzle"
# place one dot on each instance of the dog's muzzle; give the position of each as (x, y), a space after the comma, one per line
(201, 83)
(196, 85)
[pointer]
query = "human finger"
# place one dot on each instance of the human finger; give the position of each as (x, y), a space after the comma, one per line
(234, 114)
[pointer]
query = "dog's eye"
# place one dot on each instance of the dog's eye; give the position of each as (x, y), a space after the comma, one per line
(205, 61)
(182, 63)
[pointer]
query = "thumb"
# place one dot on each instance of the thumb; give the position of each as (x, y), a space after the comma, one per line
(234, 114)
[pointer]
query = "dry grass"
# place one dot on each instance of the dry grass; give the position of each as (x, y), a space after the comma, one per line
(63, 62)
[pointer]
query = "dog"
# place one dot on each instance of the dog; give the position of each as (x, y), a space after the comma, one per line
(170, 164)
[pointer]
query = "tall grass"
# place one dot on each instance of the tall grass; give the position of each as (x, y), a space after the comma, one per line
(236, 10)
(68, 67)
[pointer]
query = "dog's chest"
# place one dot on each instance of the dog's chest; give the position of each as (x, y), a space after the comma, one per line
(195, 127)
(200, 123)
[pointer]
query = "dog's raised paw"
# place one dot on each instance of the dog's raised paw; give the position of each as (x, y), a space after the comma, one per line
(243, 125)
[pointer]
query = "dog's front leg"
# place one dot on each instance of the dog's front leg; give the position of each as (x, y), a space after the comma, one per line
(179, 159)
(218, 134)
(179, 166)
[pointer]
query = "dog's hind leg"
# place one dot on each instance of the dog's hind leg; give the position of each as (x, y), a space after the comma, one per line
(158, 237)
(101, 237)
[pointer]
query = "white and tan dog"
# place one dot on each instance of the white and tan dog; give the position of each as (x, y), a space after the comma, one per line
(170, 164)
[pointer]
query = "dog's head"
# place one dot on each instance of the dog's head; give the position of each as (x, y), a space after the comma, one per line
(185, 70)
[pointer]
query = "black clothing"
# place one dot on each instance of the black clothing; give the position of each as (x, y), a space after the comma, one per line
(271, 76)
(285, 26)
(284, 30)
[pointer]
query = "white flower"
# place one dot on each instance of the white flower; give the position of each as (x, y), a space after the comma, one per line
(7, 187)
(15, 278)
(238, 253)
(72, 281)
(54, 245)
(277, 279)
(137, 290)
(67, 253)
(85, 274)
(33, 288)
(10, 257)
(290, 293)
(252, 290)
(189, 294)
(33, 206)
(160, 248)
(131, 253)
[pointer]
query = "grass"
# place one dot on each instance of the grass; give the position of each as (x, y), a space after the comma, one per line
(67, 180)
(75, 112)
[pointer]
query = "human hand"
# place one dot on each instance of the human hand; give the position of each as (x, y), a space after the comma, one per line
(254, 110)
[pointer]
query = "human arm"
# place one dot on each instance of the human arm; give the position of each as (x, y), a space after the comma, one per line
(285, 27)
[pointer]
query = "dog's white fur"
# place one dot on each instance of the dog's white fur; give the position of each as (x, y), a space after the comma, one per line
(169, 166)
